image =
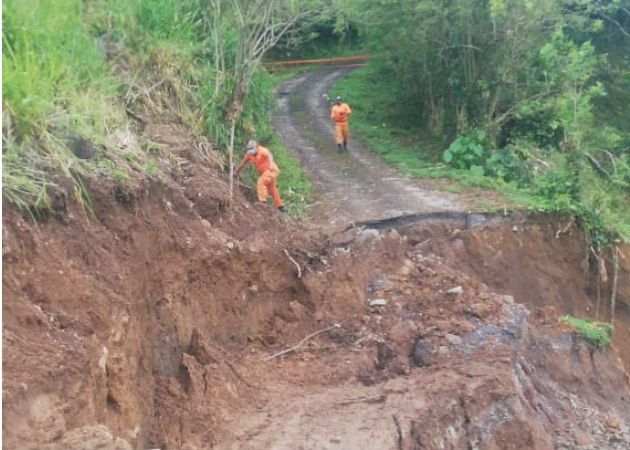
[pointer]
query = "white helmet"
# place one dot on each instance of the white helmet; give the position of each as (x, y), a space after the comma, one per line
(251, 144)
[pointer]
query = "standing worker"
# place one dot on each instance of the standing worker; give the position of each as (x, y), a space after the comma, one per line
(339, 115)
(268, 170)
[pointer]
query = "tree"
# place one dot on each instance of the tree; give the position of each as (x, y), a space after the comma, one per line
(258, 25)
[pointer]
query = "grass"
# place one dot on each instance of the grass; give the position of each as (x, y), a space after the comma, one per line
(598, 333)
(293, 183)
(55, 85)
(61, 83)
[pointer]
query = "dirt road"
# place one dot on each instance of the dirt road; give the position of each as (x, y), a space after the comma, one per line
(351, 186)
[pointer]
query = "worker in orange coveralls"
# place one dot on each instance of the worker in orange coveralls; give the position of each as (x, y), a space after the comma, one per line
(268, 170)
(339, 115)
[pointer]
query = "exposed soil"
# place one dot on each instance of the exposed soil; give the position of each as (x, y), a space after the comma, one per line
(148, 326)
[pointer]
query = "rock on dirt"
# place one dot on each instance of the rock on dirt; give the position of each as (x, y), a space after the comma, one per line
(378, 302)
(185, 369)
(455, 291)
(423, 353)
(453, 339)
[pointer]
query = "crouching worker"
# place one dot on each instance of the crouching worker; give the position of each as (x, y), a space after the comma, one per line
(268, 170)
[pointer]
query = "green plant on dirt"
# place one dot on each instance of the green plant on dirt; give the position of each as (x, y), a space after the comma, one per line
(598, 333)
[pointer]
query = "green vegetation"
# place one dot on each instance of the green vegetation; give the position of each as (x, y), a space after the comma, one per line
(528, 98)
(64, 109)
(55, 85)
(77, 75)
(597, 332)
(521, 97)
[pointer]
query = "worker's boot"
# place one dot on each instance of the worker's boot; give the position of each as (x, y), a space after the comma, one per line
(339, 147)
(345, 145)
(281, 208)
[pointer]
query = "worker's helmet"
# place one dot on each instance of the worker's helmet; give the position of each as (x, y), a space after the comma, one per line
(251, 144)
(338, 99)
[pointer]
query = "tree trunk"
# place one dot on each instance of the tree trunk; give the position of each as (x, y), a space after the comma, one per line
(219, 59)
(462, 117)
(435, 126)
(231, 157)
(234, 113)
(613, 295)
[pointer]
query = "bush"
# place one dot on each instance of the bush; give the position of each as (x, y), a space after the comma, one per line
(467, 151)
(509, 164)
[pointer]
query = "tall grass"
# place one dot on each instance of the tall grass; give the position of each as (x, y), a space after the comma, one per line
(59, 87)
(55, 85)
(73, 70)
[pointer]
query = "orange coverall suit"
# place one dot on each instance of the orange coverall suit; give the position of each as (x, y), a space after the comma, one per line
(268, 174)
(339, 113)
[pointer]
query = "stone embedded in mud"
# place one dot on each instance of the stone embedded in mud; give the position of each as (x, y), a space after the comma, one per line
(102, 362)
(378, 302)
(479, 309)
(407, 268)
(368, 233)
(423, 353)
(93, 437)
(402, 336)
(453, 339)
(384, 355)
(455, 291)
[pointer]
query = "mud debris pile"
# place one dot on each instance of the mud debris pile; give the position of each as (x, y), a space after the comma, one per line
(148, 328)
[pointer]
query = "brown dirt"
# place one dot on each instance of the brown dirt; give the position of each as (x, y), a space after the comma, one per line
(148, 326)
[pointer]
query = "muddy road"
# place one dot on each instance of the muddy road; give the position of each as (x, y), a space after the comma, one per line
(354, 185)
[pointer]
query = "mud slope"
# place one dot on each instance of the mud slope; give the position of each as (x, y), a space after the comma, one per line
(429, 369)
(110, 323)
(147, 328)
(354, 185)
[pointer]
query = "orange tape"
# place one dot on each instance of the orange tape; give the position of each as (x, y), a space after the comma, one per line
(309, 61)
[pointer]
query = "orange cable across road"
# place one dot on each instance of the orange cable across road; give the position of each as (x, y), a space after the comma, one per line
(310, 61)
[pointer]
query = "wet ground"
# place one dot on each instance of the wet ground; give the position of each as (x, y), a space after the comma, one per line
(354, 185)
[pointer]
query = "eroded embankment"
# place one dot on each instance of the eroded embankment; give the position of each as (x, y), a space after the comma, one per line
(98, 315)
(425, 368)
(148, 326)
